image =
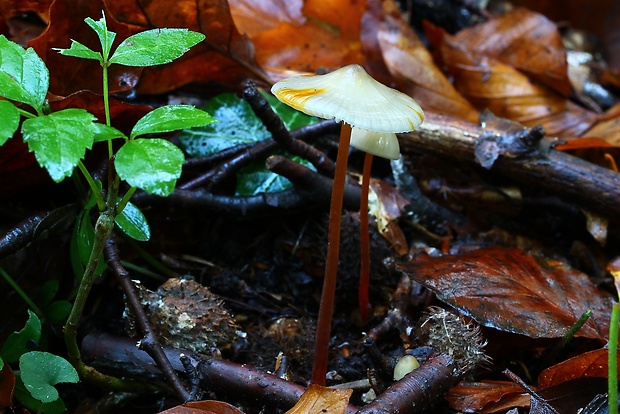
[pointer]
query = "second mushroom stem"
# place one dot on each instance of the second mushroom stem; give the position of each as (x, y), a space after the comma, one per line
(365, 240)
(328, 294)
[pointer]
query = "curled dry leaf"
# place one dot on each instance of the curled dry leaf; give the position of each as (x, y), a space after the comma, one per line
(410, 65)
(511, 290)
(386, 204)
(318, 399)
(524, 40)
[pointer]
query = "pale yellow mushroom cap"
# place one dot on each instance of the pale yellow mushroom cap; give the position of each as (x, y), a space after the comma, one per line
(351, 95)
(381, 144)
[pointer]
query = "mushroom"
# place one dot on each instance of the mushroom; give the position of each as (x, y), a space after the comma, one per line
(352, 96)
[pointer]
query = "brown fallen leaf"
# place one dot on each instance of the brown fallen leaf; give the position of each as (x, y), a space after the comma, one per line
(588, 364)
(513, 291)
(203, 407)
(7, 387)
(386, 204)
(253, 17)
(389, 39)
(69, 74)
(524, 40)
(327, 37)
(487, 396)
(318, 399)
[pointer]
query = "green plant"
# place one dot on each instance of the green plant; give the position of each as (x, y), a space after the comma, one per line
(59, 141)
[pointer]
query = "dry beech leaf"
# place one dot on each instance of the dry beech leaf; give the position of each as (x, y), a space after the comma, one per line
(329, 37)
(588, 364)
(386, 205)
(12, 8)
(69, 74)
(7, 386)
(513, 291)
(224, 56)
(487, 396)
(203, 407)
(491, 84)
(524, 40)
(318, 399)
(409, 64)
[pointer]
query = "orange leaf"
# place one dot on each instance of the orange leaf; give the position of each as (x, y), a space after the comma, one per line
(325, 39)
(506, 92)
(487, 396)
(524, 40)
(204, 407)
(318, 399)
(588, 364)
(513, 291)
(408, 62)
(252, 17)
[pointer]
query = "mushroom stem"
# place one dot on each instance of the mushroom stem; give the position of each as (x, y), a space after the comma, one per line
(328, 294)
(365, 240)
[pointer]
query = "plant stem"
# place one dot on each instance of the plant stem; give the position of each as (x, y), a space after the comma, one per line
(121, 205)
(326, 308)
(365, 240)
(21, 293)
(103, 229)
(91, 183)
(26, 114)
(612, 359)
(106, 103)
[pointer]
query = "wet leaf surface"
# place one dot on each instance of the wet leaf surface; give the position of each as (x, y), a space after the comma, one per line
(513, 291)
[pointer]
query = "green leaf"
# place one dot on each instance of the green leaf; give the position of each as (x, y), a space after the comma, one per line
(133, 223)
(171, 118)
(105, 133)
(59, 140)
(58, 311)
(106, 37)
(48, 291)
(9, 120)
(155, 47)
(291, 117)
(153, 165)
(17, 343)
(40, 371)
(256, 178)
(23, 75)
(34, 405)
(237, 124)
(79, 50)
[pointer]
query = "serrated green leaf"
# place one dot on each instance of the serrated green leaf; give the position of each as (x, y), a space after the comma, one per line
(34, 405)
(133, 223)
(106, 37)
(105, 133)
(237, 124)
(23, 75)
(40, 371)
(256, 179)
(155, 47)
(79, 50)
(171, 118)
(9, 120)
(59, 140)
(291, 117)
(153, 165)
(17, 343)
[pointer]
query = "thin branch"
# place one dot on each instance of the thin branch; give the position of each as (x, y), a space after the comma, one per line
(20, 236)
(149, 343)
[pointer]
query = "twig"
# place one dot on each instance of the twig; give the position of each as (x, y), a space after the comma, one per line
(571, 178)
(241, 382)
(280, 134)
(20, 236)
(149, 342)
(416, 390)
